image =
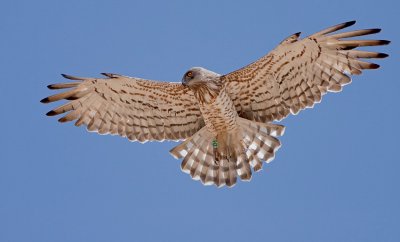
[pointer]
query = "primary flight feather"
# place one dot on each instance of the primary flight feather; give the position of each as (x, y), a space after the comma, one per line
(224, 121)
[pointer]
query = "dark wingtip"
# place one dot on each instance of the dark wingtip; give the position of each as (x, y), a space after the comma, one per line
(350, 23)
(374, 66)
(51, 86)
(297, 34)
(109, 75)
(51, 113)
(374, 31)
(45, 100)
(62, 120)
(385, 42)
(73, 77)
(382, 55)
(346, 24)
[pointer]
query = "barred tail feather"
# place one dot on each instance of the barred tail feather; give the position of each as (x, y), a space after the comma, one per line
(238, 153)
(260, 141)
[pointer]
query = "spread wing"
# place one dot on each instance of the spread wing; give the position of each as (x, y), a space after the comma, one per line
(135, 108)
(297, 73)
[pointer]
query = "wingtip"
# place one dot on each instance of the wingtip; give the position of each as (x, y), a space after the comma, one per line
(110, 75)
(375, 31)
(382, 55)
(374, 66)
(45, 100)
(52, 86)
(51, 113)
(350, 23)
(72, 77)
(62, 120)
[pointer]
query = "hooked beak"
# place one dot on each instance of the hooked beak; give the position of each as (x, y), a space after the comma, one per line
(184, 82)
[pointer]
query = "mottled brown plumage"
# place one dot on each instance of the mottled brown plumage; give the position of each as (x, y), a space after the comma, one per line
(225, 121)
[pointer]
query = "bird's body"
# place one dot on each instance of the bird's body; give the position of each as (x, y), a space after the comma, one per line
(219, 113)
(224, 120)
(220, 151)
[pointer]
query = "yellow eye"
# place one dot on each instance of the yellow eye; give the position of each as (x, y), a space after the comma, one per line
(189, 74)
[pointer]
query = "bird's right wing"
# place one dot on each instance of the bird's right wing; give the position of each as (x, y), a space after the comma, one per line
(135, 108)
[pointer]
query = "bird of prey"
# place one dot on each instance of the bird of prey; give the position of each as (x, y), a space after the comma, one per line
(224, 121)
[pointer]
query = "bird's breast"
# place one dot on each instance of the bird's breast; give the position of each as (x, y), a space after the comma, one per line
(220, 114)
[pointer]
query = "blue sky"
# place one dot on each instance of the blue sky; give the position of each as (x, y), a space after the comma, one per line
(334, 179)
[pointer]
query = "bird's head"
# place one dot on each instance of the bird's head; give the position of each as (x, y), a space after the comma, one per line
(198, 76)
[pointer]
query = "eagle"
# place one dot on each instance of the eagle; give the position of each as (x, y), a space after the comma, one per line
(225, 122)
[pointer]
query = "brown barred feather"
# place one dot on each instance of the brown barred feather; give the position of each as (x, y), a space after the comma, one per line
(296, 74)
(130, 107)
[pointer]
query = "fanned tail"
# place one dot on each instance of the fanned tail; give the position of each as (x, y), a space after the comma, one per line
(219, 160)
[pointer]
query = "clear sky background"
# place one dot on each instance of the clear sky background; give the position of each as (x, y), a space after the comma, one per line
(336, 177)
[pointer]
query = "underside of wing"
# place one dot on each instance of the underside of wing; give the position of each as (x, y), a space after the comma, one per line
(297, 73)
(141, 110)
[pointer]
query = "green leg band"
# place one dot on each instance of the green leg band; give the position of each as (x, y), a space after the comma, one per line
(215, 144)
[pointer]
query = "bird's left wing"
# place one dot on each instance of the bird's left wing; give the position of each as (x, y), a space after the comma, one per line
(297, 73)
(135, 108)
